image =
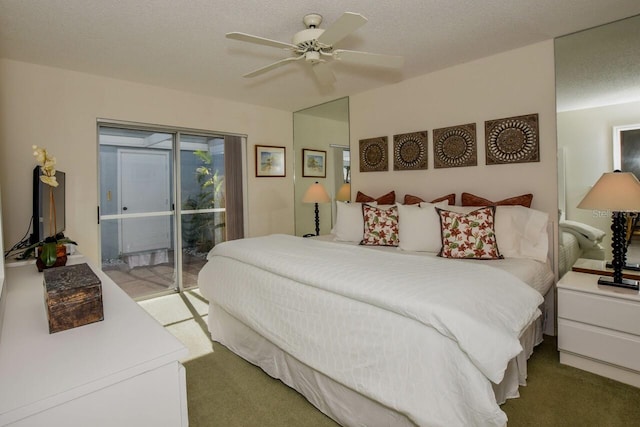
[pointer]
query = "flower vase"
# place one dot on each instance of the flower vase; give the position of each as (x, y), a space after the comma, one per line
(61, 259)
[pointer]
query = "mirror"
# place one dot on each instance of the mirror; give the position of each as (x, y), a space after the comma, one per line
(598, 100)
(321, 154)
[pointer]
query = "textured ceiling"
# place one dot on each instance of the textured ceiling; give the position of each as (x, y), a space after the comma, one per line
(599, 66)
(181, 44)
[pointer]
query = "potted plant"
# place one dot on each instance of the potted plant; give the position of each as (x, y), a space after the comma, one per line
(50, 252)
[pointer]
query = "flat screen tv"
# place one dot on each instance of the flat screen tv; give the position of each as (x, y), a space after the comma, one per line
(41, 206)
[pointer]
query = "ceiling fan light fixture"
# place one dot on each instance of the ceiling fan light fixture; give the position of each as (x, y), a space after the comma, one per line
(313, 57)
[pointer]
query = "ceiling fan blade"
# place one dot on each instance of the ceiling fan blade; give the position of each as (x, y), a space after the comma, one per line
(345, 25)
(259, 40)
(369, 58)
(272, 66)
(324, 74)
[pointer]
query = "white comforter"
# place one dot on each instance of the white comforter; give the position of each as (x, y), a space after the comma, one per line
(420, 335)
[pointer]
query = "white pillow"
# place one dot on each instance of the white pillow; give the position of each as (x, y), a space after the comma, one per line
(349, 222)
(522, 232)
(419, 227)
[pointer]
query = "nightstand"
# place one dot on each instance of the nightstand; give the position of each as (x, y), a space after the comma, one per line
(599, 327)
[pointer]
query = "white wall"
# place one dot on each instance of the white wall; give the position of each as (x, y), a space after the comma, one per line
(58, 109)
(587, 136)
(514, 83)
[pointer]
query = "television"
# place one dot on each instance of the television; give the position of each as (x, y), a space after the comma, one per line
(42, 207)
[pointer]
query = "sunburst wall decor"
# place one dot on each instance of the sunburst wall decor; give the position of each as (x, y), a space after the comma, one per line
(410, 151)
(373, 154)
(512, 140)
(455, 146)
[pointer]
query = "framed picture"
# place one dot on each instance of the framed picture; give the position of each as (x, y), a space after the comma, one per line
(314, 163)
(270, 161)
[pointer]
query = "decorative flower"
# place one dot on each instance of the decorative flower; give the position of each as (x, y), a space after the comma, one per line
(48, 247)
(47, 165)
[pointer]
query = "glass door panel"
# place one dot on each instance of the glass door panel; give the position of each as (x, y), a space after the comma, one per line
(136, 203)
(202, 194)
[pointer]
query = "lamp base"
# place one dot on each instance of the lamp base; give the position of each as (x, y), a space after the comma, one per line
(627, 266)
(625, 283)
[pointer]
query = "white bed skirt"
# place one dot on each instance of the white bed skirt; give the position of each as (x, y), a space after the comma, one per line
(341, 403)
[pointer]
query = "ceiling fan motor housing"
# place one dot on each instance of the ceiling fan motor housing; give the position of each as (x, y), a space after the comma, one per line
(307, 39)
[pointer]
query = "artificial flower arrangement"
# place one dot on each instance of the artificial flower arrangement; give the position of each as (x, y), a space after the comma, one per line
(48, 248)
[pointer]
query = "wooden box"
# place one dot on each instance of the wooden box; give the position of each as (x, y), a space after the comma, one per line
(73, 297)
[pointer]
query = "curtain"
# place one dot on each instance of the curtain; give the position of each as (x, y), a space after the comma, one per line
(233, 187)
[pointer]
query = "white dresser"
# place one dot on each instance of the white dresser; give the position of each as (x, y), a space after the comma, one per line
(122, 371)
(599, 327)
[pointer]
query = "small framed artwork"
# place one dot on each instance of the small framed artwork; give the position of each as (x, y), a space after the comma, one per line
(314, 163)
(270, 161)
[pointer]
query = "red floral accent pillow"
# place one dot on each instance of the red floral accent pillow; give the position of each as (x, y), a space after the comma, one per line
(469, 235)
(380, 226)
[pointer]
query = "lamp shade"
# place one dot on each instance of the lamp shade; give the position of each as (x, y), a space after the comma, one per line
(344, 193)
(614, 191)
(316, 194)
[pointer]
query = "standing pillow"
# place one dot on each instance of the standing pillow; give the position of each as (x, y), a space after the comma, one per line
(469, 235)
(469, 199)
(380, 226)
(386, 199)
(414, 200)
(419, 227)
(349, 223)
(522, 232)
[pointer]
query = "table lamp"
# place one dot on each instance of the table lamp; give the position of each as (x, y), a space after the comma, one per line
(316, 194)
(344, 193)
(618, 192)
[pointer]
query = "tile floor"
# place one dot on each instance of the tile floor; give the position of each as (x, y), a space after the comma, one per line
(185, 316)
(146, 281)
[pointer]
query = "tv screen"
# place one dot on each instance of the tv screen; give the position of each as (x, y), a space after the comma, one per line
(42, 207)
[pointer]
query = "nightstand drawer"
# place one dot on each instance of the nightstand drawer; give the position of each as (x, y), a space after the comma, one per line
(601, 344)
(607, 312)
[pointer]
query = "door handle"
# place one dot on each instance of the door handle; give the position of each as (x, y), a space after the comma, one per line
(124, 208)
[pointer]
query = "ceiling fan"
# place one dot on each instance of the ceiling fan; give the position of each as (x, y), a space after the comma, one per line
(316, 46)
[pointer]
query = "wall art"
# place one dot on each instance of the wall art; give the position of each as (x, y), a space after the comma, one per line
(455, 146)
(270, 161)
(512, 140)
(373, 154)
(410, 151)
(314, 163)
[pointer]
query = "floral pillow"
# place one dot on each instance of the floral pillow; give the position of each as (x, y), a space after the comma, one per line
(380, 226)
(469, 235)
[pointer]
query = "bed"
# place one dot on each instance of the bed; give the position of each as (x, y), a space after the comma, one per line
(378, 335)
(578, 240)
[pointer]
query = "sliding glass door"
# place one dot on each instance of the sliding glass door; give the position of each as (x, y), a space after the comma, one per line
(202, 195)
(150, 244)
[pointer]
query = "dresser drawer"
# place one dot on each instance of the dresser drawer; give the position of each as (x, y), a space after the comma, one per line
(608, 312)
(601, 344)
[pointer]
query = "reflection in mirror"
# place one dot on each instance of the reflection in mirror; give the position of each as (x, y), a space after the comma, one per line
(321, 154)
(598, 101)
